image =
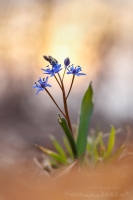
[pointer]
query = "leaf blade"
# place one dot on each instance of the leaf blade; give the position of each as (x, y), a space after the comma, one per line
(68, 147)
(58, 148)
(84, 121)
(62, 121)
(111, 142)
(50, 153)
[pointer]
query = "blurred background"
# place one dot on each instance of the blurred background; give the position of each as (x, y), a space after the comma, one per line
(95, 34)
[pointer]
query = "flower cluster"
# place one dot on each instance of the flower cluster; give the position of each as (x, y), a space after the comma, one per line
(53, 69)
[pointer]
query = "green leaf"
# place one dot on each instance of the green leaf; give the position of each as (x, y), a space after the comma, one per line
(84, 121)
(59, 148)
(62, 121)
(116, 155)
(50, 153)
(102, 148)
(68, 148)
(89, 145)
(111, 142)
(98, 138)
(96, 145)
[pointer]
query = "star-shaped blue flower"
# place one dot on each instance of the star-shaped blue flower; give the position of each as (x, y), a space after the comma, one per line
(55, 69)
(75, 71)
(42, 83)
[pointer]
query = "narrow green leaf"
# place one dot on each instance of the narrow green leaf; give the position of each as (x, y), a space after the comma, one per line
(111, 142)
(102, 148)
(116, 155)
(68, 148)
(59, 148)
(95, 156)
(101, 141)
(98, 138)
(62, 121)
(53, 154)
(97, 146)
(84, 121)
(90, 145)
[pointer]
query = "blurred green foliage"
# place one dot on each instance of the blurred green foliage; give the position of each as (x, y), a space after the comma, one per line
(97, 151)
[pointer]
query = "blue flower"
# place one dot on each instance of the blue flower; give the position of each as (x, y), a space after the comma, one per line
(55, 69)
(75, 71)
(42, 83)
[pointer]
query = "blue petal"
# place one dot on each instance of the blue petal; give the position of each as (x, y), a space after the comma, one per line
(59, 69)
(46, 80)
(34, 86)
(48, 85)
(57, 66)
(47, 70)
(78, 69)
(71, 68)
(69, 72)
(38, 90)
(80, 74)
(40, 80)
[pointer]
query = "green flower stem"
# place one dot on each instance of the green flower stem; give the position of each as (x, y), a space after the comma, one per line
(58, 82)
(55, 102)
(64, 74)
(70, 86)
(65, 105)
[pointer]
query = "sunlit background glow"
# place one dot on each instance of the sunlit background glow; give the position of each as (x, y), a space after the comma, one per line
(97, 35)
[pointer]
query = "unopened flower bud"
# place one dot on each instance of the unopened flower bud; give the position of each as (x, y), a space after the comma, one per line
(67, 61)
(46, 58)
(52, 60)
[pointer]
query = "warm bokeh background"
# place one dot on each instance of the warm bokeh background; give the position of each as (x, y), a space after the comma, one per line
(96, 34)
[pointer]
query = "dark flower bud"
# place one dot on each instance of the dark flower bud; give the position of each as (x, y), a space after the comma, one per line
(52, 60)
(67, 61)
(46, 58)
